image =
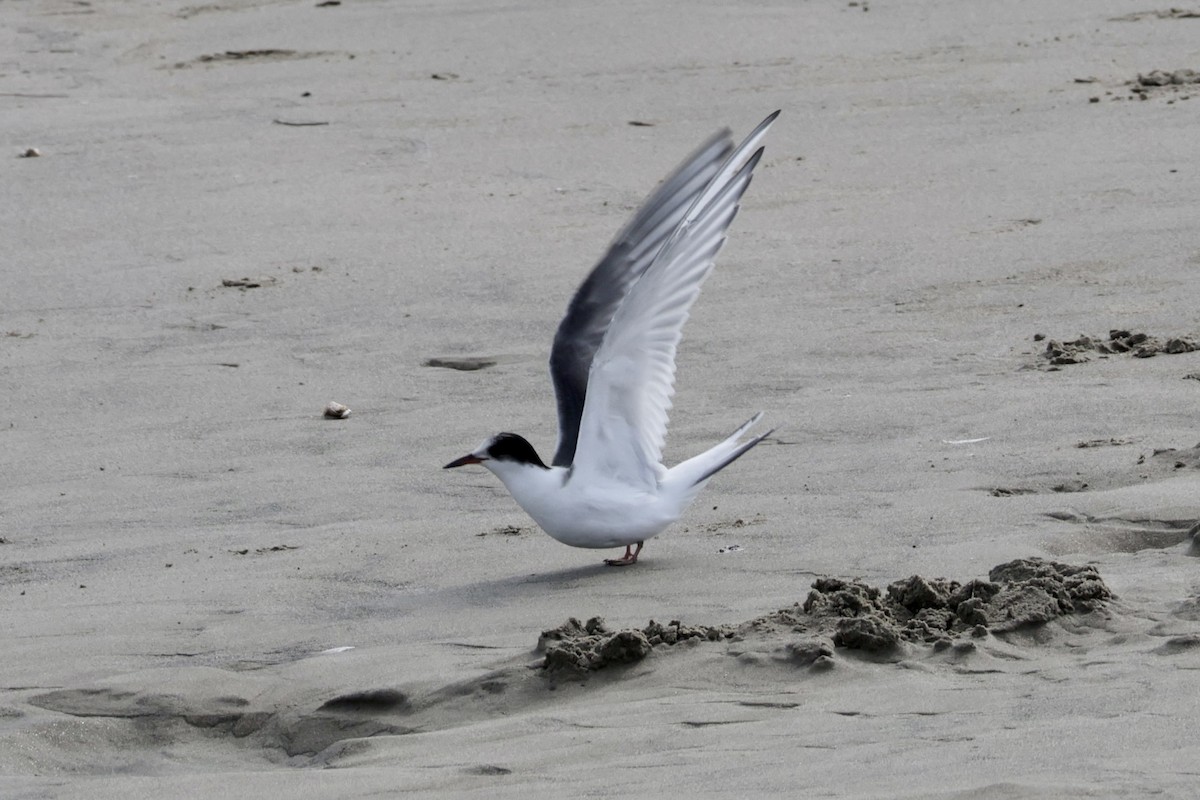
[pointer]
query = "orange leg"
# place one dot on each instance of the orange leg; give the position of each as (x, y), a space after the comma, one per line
(626, 560)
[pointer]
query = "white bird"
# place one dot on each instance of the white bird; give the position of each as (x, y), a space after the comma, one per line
(613, 367)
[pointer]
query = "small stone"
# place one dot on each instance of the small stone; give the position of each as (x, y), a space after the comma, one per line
(463, 363)
(336, 411)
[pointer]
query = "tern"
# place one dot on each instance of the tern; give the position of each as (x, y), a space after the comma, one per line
(613, 368)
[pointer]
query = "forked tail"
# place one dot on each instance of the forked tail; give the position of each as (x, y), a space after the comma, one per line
(694, 472)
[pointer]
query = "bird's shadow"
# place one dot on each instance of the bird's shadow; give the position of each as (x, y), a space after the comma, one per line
(501, 590)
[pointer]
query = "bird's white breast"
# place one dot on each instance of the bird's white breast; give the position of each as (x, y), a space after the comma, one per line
(587, 514)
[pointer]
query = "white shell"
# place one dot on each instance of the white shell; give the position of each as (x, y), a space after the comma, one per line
(336, 411)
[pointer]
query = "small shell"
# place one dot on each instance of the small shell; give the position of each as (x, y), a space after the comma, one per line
(336, 411)
(335, 650)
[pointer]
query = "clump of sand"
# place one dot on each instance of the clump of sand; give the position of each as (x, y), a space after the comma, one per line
(1140, 345)
(853, 615)
(592, 645)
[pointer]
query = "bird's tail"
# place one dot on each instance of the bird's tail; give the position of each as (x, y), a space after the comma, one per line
(695, 472)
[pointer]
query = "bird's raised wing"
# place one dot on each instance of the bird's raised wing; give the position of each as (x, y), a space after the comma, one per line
(631, 252)
(632, 377)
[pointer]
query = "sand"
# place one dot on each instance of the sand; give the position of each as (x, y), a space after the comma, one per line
(219, 218)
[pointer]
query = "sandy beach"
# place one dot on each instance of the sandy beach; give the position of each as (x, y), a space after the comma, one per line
(963, 285)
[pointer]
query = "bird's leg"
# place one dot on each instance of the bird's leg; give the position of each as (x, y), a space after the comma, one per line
(626, 560)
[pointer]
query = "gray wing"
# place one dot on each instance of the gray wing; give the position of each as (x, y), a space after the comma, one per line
(634, 249)
(624, 422)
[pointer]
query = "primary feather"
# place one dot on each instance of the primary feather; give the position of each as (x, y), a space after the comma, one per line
(632, 376)
(630, 254)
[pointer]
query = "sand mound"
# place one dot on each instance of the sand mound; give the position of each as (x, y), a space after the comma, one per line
(855, 616)
(593, 645)
(258, 719)
(1139, 345)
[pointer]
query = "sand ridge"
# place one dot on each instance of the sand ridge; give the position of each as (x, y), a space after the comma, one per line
(856, 616)
(838, 620)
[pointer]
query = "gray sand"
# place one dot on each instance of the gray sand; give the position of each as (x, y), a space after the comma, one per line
(212, 590)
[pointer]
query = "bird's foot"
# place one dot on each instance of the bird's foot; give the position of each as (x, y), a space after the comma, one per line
(629, 559)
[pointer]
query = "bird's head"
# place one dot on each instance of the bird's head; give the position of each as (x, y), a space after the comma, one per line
(501, 449)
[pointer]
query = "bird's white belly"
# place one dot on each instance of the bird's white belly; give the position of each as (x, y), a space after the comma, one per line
(598, 519)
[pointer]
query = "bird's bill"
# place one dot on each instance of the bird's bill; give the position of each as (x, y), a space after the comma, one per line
(469, 458)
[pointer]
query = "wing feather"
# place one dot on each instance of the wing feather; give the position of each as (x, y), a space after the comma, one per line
(624, 421)
(632, 251)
